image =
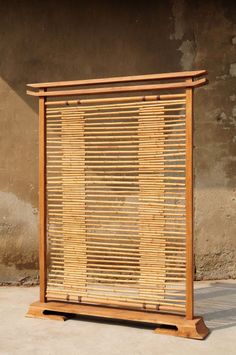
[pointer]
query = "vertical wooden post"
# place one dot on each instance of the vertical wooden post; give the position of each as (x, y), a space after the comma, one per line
(189, 204)
(42, 200)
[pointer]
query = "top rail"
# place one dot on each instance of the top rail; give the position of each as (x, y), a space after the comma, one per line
(119, 89)
(121, 79)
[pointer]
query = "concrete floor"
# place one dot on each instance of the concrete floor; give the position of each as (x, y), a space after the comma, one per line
(20, 335)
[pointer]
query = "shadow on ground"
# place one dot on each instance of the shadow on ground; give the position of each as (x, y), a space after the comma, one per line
(217, 304)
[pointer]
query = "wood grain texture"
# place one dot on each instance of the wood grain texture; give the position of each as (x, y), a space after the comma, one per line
(42, 201)
(189, 204)
(121, 79)
(120, 89)
(193, 329)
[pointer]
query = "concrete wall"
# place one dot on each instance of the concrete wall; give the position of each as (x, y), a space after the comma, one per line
(62, 40)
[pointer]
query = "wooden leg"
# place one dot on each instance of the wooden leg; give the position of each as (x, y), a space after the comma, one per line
(168, 323)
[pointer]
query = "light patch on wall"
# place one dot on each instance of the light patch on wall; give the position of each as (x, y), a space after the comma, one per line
(18, 235)
(232, 69)
(188, 54)
(14, 210)
(178, 14)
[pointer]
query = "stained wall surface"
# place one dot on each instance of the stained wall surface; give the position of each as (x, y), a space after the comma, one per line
(60, 40)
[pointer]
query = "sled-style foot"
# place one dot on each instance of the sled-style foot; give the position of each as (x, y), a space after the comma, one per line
(194, 329)
(36, 312)
(168, 323)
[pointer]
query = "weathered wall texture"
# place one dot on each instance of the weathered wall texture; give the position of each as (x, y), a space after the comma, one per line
(61, 40)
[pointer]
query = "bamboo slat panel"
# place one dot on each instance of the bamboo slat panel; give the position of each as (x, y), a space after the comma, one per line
(116, 202)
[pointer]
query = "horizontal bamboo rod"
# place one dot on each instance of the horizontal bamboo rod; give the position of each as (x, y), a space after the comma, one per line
(125, 155)
(155, 117)
(110, 299)
(129, 218)
(113, 226)
(142, 176)
(70, 249)
(116, 99)
(131, 110)
(133, 142)
(153, 132)
(139, 238)
(135, 264)
(70, 171)
(102, 114)
(105, 279)
(130, 261)
(152, 235)
(107, 301)
(137, 231)
(143, 233)
(69, 281)
(127, 121)
(119, 289)
(121, 191)
(104, 223)
(131, 298)
(159, 236)
(125, 291)
(67, 177)
(121, 258)
(170, 285)
(55, 241)
(124, 278)
(104, 107)
(129, 273)
(158, 197)
(110, 267)
(97, 239)
(76, 133)
(121, 269)
(144, 205)
(107, 146)
(108, 211)
(132, 306)
(158, 122)
(159, 194)
(141, 101)
(131, 281)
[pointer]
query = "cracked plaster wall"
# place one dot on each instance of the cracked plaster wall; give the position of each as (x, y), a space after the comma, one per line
(55, 40)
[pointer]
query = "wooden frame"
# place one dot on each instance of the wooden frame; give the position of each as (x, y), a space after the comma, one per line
(186, 325)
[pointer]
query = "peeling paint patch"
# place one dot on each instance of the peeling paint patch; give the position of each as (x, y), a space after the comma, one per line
(234, 40)
(234, 111)
(225, 120)
(221, 117)
(188, 54)
(18, 232)
(232, 69)
(14, 209)
(178, 14)
(222, 77)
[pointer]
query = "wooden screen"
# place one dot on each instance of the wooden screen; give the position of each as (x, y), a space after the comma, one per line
(116, 193)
